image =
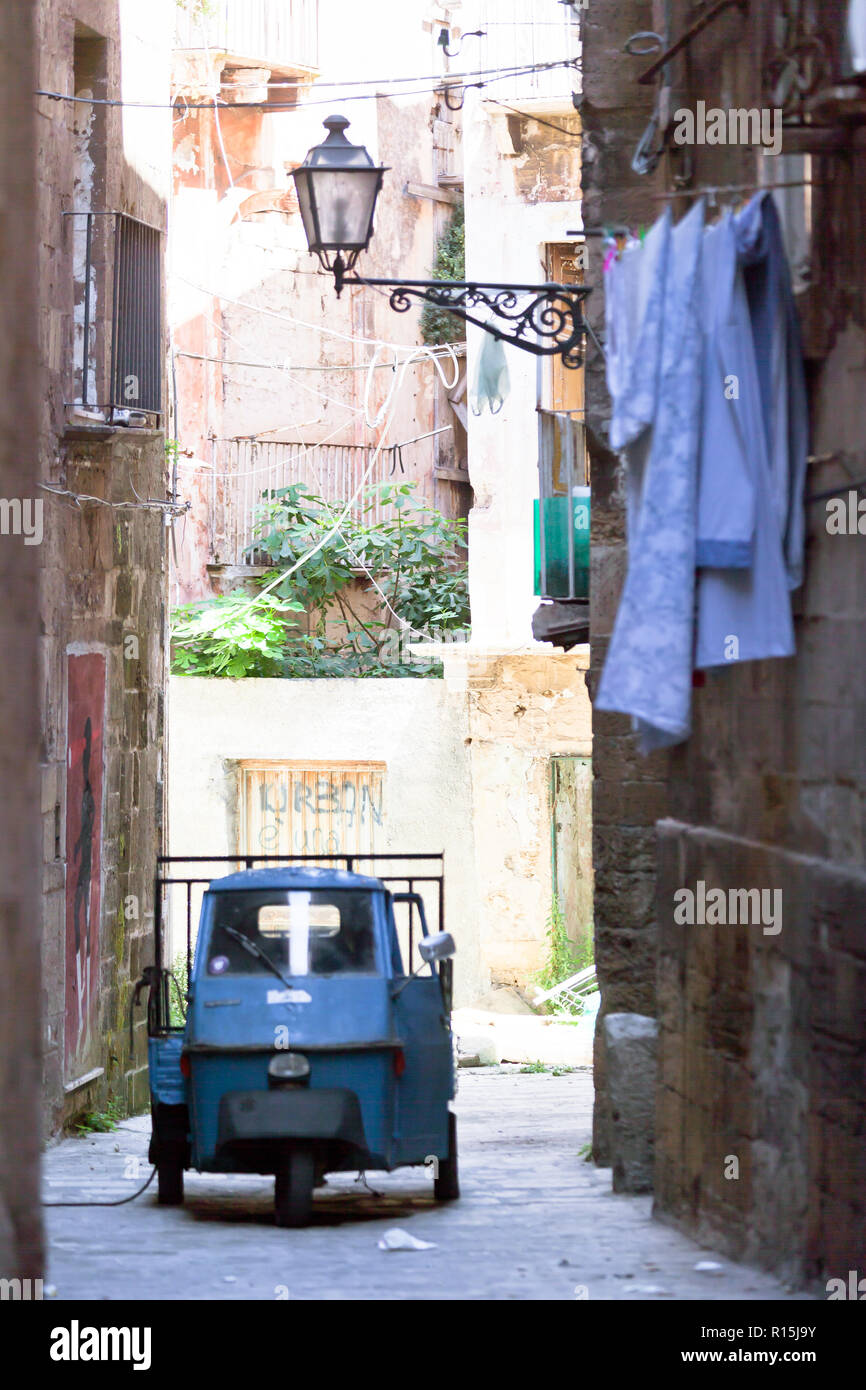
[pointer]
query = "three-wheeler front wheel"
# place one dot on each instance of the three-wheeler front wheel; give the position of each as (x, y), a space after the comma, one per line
(169, 1183)
(293, 1187)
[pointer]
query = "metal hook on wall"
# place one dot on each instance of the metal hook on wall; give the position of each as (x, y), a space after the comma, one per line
(444, 40)
(454, 87)
(651, 43)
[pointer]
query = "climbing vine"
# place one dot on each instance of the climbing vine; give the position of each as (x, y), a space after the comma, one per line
(437, 325)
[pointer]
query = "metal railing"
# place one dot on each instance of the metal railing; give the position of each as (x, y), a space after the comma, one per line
(520, 34)
(245, 469)
(259, 33)
(118, 358)
(170, 882)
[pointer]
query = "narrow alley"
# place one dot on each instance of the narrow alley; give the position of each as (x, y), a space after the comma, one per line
(534, 1221)
(432, 707)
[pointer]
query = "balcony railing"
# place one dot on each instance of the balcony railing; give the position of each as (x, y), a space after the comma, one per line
(244, 469)
(521, 34)
(118, 355)
(562, 509)
(275, 34)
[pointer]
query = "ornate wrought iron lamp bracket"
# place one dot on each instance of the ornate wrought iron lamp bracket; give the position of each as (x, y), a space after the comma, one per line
(546, 319)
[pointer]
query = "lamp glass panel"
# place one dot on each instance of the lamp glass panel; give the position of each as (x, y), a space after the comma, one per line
(302, 188)
(344, 199)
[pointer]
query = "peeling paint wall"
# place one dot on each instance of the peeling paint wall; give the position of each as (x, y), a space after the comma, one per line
(294, 368)
(467, 771)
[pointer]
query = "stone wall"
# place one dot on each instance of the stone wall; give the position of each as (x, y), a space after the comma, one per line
(20, 1217)
(761, 1036)
(103, 570)
(628, 791)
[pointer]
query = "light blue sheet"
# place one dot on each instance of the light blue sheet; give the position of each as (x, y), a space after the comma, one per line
(648, 672)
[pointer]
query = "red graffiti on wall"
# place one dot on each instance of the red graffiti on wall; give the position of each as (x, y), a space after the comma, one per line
(84, 739)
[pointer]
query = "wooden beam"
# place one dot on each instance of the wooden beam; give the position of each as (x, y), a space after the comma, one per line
(452, 475)
(429, 190)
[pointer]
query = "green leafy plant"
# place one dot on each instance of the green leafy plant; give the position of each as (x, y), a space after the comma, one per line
(198, 9)
(559, 960)
(414, 560)
(229, 636)
(177, 991)
(536, 1068)
(100, 1121)
(437, 325)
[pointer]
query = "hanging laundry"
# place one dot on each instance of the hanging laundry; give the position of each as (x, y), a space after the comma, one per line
(634, 302)
(492, 380)
(648, 672)
(743, 600)
(705, 370)
(731, 409)
(779, 356)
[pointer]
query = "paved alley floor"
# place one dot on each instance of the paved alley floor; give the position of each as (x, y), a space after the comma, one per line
(535, 1221)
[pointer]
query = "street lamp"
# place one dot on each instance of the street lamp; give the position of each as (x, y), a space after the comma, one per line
(337, 187)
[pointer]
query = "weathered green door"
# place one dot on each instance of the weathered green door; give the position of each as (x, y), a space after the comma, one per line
(571, 835)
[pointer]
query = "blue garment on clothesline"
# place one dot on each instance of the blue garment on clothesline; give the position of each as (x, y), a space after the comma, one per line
(648, 671)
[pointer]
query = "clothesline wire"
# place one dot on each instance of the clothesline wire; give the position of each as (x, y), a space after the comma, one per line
(320, 82)
(296, 366)
(734, 188)
(302, 385)
(204, 467)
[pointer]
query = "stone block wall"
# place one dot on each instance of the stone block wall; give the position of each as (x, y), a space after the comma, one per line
(629, 793)
(20, 1216)
(103, 567)
(761, 1036)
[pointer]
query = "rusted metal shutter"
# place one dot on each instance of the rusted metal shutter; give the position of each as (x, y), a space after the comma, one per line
(311, 808)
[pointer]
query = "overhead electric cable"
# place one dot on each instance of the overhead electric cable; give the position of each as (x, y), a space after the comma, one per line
(528, 115)
(290, 318)
(445, 80)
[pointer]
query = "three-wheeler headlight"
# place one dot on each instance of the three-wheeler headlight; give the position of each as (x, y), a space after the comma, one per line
(288, 1067)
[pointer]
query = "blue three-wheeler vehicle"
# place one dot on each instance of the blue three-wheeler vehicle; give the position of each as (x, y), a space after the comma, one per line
(308, 1047)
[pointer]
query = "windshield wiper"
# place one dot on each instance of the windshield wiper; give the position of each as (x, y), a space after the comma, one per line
(254, 950)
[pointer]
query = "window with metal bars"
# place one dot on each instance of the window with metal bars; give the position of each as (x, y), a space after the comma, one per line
(119, 366)
(136, 338)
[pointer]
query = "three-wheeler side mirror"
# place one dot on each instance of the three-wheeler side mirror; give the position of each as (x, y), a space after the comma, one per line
(437, 947)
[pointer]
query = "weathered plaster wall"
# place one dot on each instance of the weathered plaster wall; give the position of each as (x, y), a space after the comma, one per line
(418, 728)
(523, 710)
(468, 771)
(522, 191)
(103, 576)
(527, 701)
(297, 371)
(20, 1004)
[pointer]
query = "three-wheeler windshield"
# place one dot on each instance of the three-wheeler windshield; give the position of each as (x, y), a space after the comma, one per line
(318, 931)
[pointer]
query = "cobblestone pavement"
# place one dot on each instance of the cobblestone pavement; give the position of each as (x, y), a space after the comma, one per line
(535, 1221)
